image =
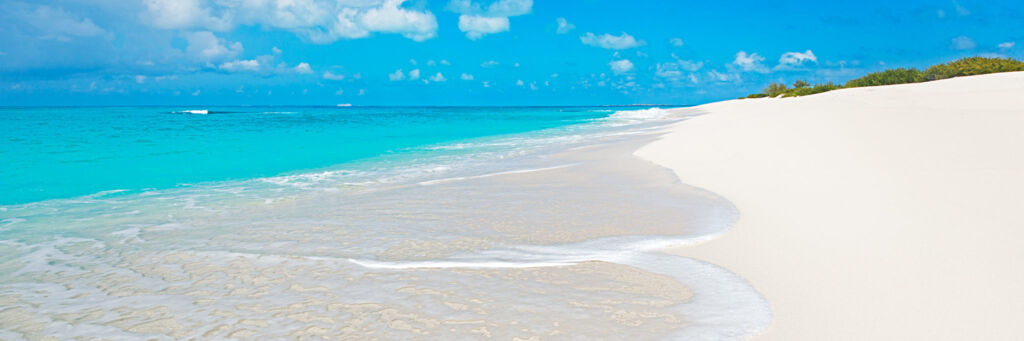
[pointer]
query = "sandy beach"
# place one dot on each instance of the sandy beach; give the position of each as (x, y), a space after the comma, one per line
(880, 213)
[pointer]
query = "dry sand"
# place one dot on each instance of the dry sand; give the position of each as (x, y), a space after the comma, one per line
(883, 213)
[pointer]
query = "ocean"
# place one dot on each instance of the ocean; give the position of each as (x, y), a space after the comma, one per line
(354, 222)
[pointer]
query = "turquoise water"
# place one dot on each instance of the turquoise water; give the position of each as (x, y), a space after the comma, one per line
(358, 223)
(64, 152)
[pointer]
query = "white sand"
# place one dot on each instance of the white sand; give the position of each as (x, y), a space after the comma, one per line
(885, 213)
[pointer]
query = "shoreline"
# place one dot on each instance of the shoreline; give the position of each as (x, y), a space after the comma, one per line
(868, 213)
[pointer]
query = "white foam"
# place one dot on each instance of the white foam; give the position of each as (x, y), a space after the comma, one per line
(519, 171)
(724, 305)
(649, 114)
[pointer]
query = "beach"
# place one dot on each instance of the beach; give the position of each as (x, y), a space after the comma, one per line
(869, 213)
(878, 213)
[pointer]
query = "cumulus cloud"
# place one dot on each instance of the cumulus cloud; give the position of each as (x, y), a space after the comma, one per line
(1007, 45)
(396, 76)
(54, 23)
(677, 69)
(205, 46)
(677, 42)
(320, 21)
(621, 66)
(240, 65)
(303, 68)
(438, 78)
(964, 43)
(722, 77)
(792, 60)
(140, 79)
(489, 64)
(466, 77)
(477, 27)
(751, 62)
(608, 41)
(564, 26)
(414, 74)
(332, 76)
(477, 21)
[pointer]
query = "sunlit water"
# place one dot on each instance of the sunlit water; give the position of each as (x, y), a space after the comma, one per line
(389, 223)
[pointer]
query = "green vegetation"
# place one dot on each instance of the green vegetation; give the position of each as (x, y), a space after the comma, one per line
(887, 77)
(962, 67)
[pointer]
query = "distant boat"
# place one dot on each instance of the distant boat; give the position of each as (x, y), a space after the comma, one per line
(196, 112)
(345, 105)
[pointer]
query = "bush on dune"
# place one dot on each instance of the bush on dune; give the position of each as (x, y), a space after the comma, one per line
(972, 66)
(961, 67)
(810, 90)
(887, 77)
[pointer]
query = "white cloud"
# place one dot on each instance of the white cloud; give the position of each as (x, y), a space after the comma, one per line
(438, 78)
(53, 23)
(564, 26)
(668, 70)
(196, 93)
(303, 68)
(396, 76)
(477, 22)
(414, 74)
(751, 62)
(500, 8)
(140, 79)
(275, 50)
(489, 64)
(721, 77)
(477, 26)
(205, 46)
(445, 62)
(791, 60)
(1007, 45)
(466, 77)
(320, 21)
(964, 43)
(332, 76)
(608, 41)
(431, 62)
(621, 66)
(677, 42)
(240, 65)
(519, 82)
(485, 84)
(961, 10)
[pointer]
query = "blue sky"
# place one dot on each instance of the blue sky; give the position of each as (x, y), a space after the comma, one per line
(462, 52)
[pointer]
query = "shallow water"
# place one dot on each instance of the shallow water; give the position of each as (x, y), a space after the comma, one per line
(549, 233)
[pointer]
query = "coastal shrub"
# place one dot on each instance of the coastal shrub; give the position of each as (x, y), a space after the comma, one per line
(775, 89)
(887, 77)
(972, 66)
(961, 67)
(810, 90)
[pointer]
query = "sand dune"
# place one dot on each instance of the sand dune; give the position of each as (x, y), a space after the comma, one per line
(883, 213)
